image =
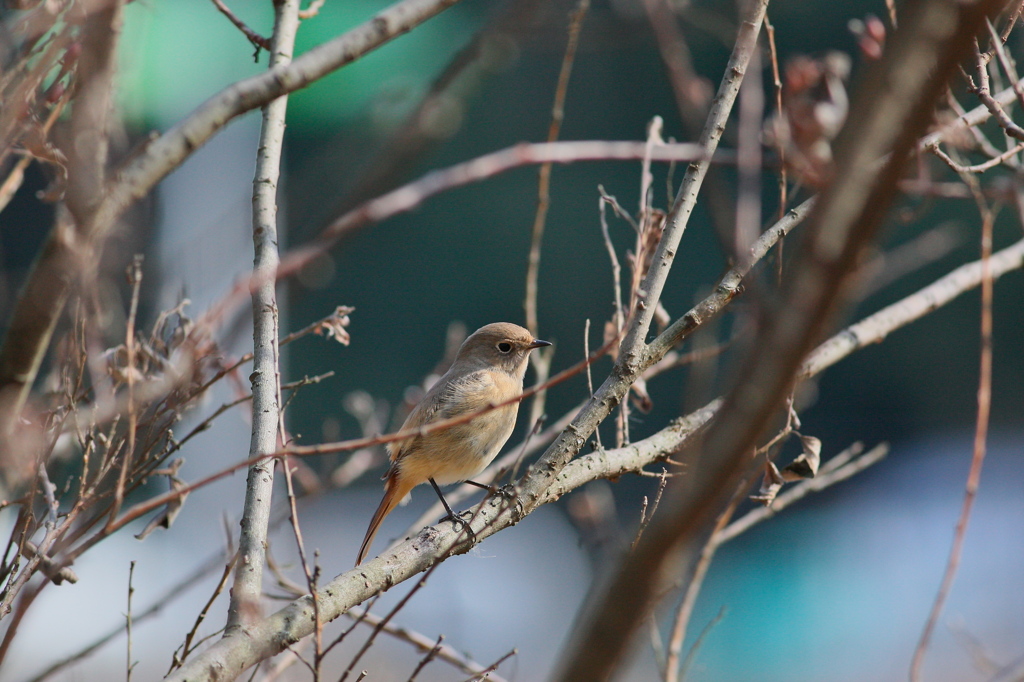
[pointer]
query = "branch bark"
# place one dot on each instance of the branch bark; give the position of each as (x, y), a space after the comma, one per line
(247, 592)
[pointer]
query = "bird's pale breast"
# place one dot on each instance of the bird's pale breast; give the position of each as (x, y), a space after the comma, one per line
(464, 450)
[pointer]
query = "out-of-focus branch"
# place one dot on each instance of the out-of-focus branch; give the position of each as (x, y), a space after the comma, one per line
(42, 298)
(247, 591)
(409, 196)
(692, 92)
(430, 124)
(895, 105)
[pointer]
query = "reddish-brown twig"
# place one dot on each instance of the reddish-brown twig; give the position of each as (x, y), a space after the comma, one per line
(980, 433)
(252, 36)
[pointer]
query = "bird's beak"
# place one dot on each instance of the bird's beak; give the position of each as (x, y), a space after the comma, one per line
(537, 343)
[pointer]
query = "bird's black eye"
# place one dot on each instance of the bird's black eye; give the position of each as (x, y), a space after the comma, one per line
(504, 347)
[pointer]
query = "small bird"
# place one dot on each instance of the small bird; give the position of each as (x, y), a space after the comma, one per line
(488, 370)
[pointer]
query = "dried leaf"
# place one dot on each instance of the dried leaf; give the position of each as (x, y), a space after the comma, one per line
(172, 508)
(806, 465)
(771, 484)
(334, 326)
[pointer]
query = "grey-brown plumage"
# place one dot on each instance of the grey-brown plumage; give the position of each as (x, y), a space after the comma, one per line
(488, 370)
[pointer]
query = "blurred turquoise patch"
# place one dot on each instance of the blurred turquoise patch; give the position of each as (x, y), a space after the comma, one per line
(177, 54)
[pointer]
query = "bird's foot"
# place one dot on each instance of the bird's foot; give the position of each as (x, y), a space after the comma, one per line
(459, 522)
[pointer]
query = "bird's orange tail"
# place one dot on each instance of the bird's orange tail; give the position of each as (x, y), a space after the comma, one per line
(395, 490)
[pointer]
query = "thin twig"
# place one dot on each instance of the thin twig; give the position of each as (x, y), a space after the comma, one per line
(487, 673)
(1009, 154)
(186, 647)
(984, 144)
(312, 575)
(379, 627)
(1011, 21)
(541, 360)
(618, 316)
(135, 279)
(981, 90)
(544, 172)
(590, 380)
(672, 671)
(1005, 62)
(252, 36)
(980, 433)
(129, 665)
(692, 653)
(780, 148)
(431, 655)
(645, 518)
(161, 602)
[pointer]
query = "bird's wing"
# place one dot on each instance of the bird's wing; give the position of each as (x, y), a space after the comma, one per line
(450, 397)
(462, 395)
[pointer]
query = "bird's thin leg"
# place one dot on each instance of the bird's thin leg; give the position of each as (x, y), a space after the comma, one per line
(452, 516)
(489, 488)
(507, 491)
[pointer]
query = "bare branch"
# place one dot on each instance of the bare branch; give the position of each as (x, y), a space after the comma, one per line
(876, 327)
(1009, 154)
(634, 345)
(247, 590)
(980, 431)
